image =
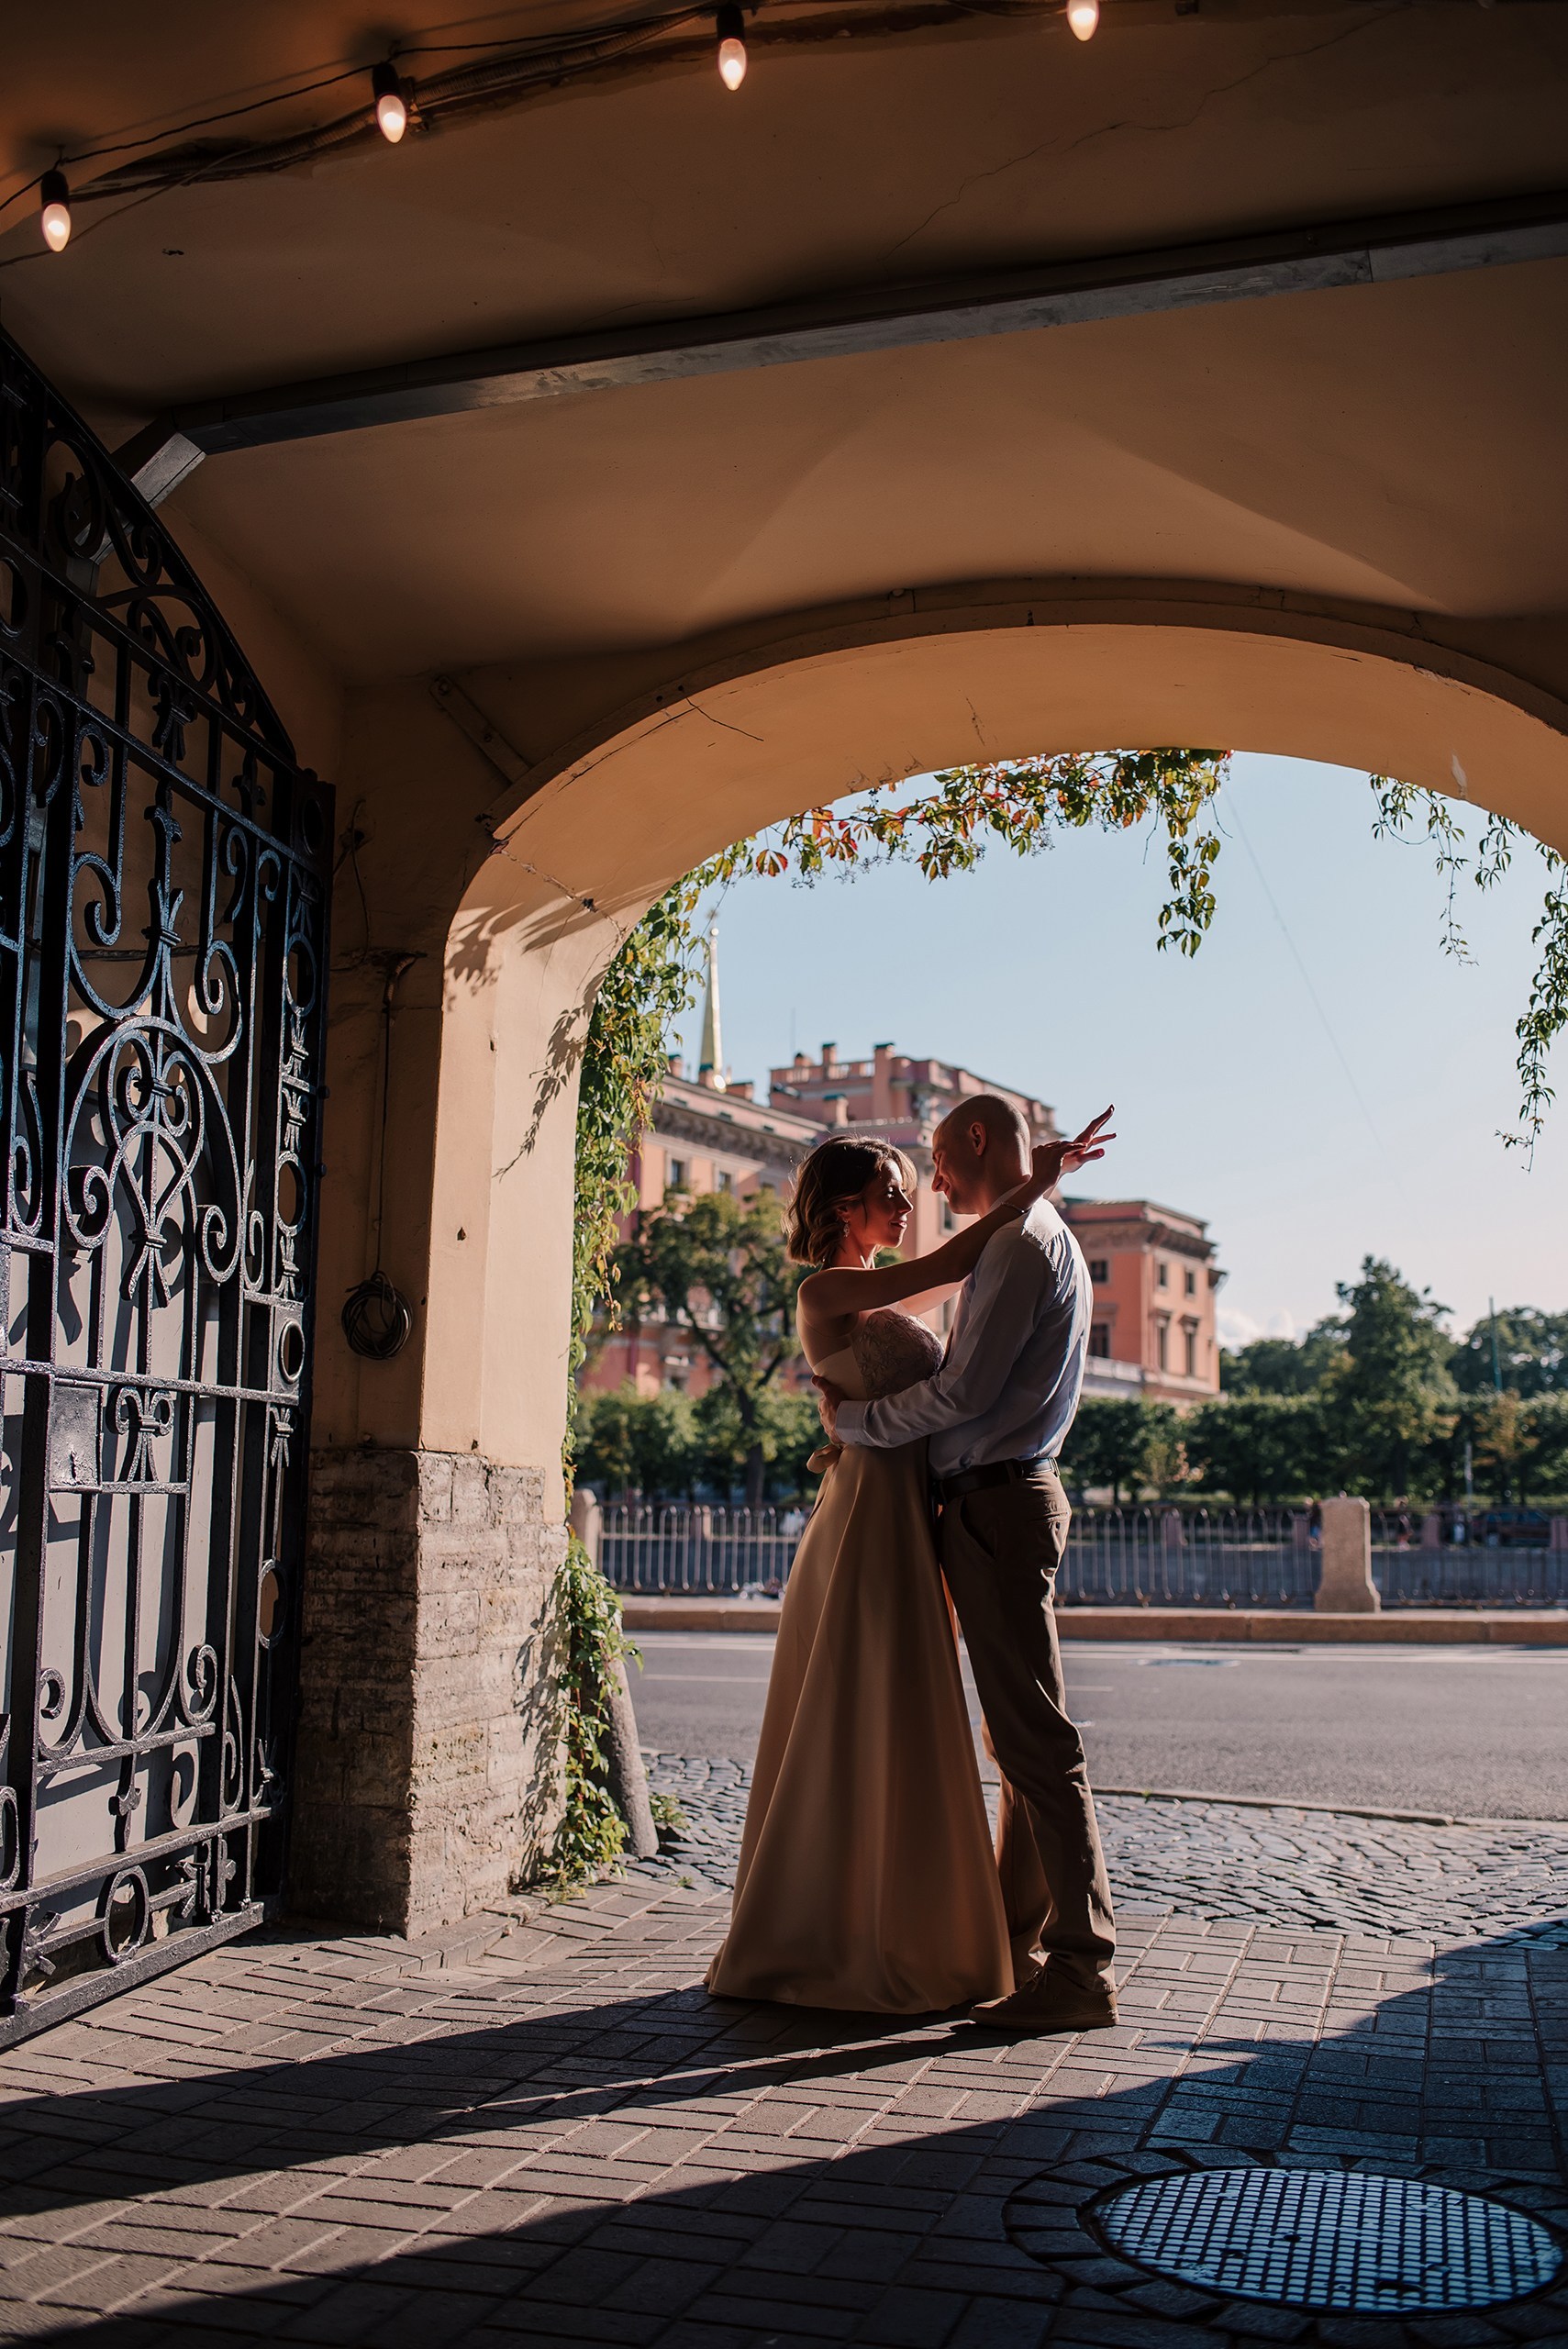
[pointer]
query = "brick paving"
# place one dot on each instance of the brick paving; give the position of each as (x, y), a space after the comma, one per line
(1273, 1865)
(296, 2139)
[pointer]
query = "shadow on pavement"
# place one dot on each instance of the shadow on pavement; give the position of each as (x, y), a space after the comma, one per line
(752, 2238)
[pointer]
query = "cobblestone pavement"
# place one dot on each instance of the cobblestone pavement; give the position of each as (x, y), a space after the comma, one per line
(569, 2143)
(1274, 1865)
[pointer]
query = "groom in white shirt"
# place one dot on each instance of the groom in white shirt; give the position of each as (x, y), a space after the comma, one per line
(997, 1412)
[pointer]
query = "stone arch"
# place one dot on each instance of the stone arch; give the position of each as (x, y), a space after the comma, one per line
(746, 732)
(624, 774)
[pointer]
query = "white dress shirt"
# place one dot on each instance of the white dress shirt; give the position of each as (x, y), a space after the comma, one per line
(1008, 1386)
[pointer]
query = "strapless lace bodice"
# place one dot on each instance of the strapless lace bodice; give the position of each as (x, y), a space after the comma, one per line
(894, 1351)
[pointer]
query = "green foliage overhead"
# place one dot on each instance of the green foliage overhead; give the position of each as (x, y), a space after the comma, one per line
(1021, 804)
(1405, 812)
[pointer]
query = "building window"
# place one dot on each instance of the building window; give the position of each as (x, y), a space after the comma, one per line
(1161, 1276)
(676, 1175)
(1190, 1338)
(949, 1222)
(1189, 1283)
(1162, 1344)
(1099, 1268)
(726, 1179)
(1100, 1341)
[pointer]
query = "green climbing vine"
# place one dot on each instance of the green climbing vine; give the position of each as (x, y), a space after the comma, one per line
(592, 1834)
(648, 986)
(1406, 812)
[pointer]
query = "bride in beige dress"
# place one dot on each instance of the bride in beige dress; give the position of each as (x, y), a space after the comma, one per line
(866, 1878)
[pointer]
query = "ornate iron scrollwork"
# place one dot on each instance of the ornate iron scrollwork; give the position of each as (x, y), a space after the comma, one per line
(164, 894)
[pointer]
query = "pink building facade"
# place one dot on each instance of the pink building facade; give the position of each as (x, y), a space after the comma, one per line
(1155, 1279)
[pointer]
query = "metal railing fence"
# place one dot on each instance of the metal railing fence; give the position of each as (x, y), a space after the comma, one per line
(1146, 1557)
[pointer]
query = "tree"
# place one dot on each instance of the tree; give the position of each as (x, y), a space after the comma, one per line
(1389, 1401)
(1519, 1445)
(1530, 1354)
(1258, 1448)
(717, 1267)
(1545, 1465)
(1284, 1366)
(1116, 1443)
(787, 1431)
(631, 1443)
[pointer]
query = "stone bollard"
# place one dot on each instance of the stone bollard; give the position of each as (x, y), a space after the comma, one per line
(623, 1754)
(1346, 1586)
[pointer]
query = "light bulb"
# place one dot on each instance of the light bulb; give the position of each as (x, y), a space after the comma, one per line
(55, 218)
(1084, 15)
(731, 46)
(391, 107)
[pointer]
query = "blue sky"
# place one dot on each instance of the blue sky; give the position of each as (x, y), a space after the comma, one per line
(1321, 1082)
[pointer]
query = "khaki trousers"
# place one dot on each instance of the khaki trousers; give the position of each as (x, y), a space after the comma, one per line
(1000, 1549)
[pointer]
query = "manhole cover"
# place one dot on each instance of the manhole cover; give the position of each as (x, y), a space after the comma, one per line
(1328, 2239)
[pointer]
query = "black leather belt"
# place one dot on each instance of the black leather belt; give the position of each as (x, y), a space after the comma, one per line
(998, 1472)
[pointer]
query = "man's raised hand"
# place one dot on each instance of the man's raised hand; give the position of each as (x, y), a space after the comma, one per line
(1054, 1159)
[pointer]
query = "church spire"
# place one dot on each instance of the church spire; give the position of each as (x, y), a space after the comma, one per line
(710, 1067)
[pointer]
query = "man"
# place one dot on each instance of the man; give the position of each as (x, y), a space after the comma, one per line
(996, 1413)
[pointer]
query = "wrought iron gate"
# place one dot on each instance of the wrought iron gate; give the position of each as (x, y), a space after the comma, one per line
(164, 887)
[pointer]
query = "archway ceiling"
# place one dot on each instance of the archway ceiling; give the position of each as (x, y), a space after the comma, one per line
(1396, 444)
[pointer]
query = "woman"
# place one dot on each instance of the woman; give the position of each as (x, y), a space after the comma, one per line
(866, 1878)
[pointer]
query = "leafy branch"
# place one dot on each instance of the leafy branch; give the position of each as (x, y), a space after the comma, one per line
(1018, 804)
(1407, 811)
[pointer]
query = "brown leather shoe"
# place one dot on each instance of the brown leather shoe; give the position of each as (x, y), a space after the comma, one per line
(1047, 2004)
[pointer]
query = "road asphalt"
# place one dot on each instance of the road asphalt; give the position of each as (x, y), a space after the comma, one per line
(1459, 1732)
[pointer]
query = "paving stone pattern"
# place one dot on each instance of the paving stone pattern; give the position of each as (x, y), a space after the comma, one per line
(1278, 1865)
(569, 2143)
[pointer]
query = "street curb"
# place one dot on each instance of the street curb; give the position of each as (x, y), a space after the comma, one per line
(1333, 1810)
(1208, 1626)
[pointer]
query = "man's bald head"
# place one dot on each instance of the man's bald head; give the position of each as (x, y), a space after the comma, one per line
(979, 1150)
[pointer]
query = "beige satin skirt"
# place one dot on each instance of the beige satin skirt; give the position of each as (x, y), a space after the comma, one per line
(867, 1879)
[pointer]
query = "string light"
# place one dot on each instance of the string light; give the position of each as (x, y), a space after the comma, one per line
(731, 46)
(391, 106)
(55, 218)
(1084, 15)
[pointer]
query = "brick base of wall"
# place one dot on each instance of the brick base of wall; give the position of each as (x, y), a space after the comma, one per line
(426, 1773)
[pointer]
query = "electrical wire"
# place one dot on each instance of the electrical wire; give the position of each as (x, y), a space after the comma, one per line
(531, 65)
(377, 1318)
(1234, 812)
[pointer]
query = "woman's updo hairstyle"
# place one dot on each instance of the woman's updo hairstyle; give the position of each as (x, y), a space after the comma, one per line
(832, 1178)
